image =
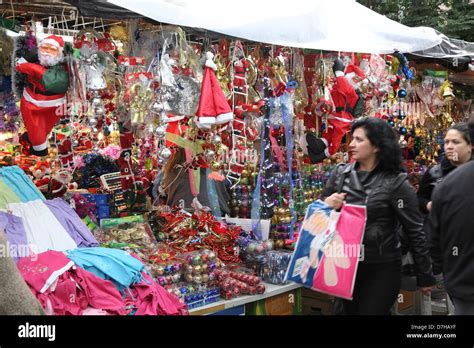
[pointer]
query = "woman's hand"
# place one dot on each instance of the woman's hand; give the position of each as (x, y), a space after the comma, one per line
(429, 205)
(336, 200)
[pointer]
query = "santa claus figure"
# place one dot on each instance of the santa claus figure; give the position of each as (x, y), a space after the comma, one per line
(241, 67)
(43, 100)
(345, 99)
(60, 183)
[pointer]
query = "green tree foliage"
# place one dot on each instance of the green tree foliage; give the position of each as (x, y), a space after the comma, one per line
(455, 18)
(460, 24)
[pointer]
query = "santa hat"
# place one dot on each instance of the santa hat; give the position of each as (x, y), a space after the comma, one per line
(213, 107)
(354, 70)
(54, 40)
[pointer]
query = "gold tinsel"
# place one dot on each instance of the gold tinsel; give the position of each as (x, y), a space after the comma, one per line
(119, 33)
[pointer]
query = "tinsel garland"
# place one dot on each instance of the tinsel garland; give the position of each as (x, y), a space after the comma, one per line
(185, 232)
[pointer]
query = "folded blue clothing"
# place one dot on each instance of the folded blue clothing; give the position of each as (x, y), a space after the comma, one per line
(20, 184)
(111, 264)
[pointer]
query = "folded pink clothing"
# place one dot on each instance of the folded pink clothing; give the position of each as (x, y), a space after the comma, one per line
(66, 289)
(42, 270)
(67, 298)
(153, 299)
(100, 293)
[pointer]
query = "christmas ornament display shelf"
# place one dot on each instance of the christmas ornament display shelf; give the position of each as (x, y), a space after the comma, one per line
(271, 290)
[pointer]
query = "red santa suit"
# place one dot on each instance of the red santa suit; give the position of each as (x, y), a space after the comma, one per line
(340, 121)
(40, 107)
(345, 98)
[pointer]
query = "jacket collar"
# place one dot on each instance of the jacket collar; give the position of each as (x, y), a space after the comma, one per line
(355, 183)
(350, 171)
(350, 167)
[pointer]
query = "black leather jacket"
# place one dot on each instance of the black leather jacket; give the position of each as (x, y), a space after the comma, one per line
(431, 178)
(390, 201)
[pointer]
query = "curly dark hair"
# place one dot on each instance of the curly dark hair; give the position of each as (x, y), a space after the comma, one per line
(382, 136)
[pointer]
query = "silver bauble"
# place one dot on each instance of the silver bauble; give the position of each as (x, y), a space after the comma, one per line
(96, 101)
(93, 122)
(160, 131)
(157, 107)
(216, 139)
(99, 110)
(209, 154)
(165, 154)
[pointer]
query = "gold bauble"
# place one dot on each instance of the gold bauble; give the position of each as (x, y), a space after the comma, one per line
(279, 243)
(215, 166)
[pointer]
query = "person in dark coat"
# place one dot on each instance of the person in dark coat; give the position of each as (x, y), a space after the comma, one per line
(377, 180)
(452, 241)
(16, 298)
(458, 150)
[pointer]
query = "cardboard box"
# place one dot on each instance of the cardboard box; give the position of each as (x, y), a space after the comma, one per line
(316, 303)
(405, 300)
(288, 303)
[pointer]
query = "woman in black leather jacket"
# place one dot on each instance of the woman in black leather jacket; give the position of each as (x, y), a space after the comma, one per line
(458, 150)
(377, 180)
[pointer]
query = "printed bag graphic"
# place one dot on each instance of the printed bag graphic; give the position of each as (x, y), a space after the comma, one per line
(328, 249)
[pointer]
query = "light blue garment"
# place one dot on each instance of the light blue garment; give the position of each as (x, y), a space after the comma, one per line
(110, 264)
(18, 182)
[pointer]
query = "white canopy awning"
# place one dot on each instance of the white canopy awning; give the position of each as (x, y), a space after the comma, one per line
(336, 25)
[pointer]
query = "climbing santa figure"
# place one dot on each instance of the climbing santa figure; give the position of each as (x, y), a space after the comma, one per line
(43, 100)
(348, 104)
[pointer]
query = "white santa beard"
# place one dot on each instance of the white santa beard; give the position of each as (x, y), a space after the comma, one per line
(48, 60)
(364, 65)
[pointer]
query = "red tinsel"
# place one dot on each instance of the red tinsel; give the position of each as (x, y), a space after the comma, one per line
(201, 231)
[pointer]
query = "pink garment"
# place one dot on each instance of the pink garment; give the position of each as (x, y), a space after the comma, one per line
(100, 293)
(93, 311)
(150, 298)
(42, 270)
(66, 298)
(72, 291)
(153, 299)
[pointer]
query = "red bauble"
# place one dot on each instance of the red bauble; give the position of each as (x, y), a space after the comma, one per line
(219, 227)
(275, 132)
(228, 295)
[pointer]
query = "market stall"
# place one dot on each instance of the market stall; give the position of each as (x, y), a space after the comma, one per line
(166, 167)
